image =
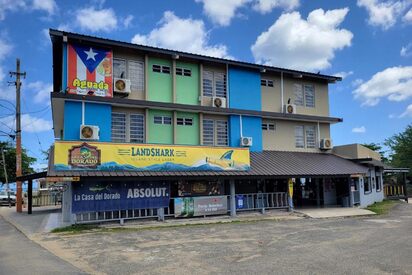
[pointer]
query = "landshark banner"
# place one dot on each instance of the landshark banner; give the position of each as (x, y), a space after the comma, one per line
(147, 157)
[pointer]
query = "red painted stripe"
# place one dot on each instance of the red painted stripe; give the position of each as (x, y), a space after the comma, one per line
(72, 66)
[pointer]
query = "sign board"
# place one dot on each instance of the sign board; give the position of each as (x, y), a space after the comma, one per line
(200, 206)
(147, 157)
(199, 188)
(89, 70)
(107, 196)
(62, 179)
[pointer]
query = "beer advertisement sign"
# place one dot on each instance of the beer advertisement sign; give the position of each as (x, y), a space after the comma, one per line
(149, 157)
(200, 206)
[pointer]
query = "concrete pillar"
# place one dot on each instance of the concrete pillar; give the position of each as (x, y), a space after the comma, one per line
(161, 214)
(317, 192)
(351, 199)
(67, 203)
(232, 199)
(29, 196)
(405, 187)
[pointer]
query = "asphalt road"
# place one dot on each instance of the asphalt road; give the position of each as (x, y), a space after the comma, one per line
(19, 255)
(363, 245)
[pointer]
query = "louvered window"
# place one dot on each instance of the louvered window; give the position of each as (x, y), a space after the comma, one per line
(310, 136)
(299, 137)
(118, 127)
(309, 95)
(299, 96)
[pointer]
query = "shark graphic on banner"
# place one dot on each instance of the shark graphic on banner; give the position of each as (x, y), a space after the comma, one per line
(89, 71)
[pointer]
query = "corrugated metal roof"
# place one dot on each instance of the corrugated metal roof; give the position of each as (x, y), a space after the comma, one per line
(263, 164)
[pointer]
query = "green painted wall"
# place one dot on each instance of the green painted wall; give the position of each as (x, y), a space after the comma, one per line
(160, 133)
(187, 87)
(188, 135)
(160, 84)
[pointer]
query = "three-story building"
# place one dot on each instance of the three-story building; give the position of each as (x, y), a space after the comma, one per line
(145, 132)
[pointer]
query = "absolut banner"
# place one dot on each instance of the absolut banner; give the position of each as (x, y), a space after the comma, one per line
(107, 196)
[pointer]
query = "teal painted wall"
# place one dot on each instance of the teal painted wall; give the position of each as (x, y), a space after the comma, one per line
(188, 135)
(187, 87)
(160, 133)
(160, 84)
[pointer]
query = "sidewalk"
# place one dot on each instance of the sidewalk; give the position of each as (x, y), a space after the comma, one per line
(334, 212)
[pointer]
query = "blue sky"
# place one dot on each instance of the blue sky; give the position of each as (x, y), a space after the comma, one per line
(369, 42)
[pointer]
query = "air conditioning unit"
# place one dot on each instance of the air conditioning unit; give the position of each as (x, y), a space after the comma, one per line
(246, 141)
(290, 108)
(325, 144)
(89, 132)
(122, 85)
(219, 102)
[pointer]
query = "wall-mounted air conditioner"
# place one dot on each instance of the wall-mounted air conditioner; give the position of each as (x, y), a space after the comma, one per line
(122, 85)
(325, 144)
(89, 132)
(289, 108)
(219, 102)
(246, 141)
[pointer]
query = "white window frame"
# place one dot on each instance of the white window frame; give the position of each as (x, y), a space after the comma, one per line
(164, 120)
(307, 91)
(127, 128)
(183, 71)
(269, 126)
(137, 87)
(165, 69)
(300, 136)
(267, 82)
(299, 95)
(310, 136)
(215, 77)
(184, 121)
(220, 132)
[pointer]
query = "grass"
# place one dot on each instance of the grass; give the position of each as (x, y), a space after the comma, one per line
(383, 207)
(77, 228)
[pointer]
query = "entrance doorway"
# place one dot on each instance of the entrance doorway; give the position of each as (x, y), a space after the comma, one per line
(308, 192)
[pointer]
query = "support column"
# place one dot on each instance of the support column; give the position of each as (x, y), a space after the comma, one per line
(351, 199)
(29, 196)
(161, 214)
(67, 203)
(232, 199)
(405, 187)
(317, 193)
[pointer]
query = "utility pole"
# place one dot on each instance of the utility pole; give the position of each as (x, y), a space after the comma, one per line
(5, 176)
(19, 190)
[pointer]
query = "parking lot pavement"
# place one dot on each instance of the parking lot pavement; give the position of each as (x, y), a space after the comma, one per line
(362, 245)
(19, 255)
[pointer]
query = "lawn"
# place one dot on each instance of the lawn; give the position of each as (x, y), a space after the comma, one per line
(383, 207)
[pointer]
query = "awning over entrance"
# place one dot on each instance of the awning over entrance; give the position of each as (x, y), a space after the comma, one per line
(263, 164)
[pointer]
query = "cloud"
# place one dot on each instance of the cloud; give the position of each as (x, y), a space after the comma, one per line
(266, 6)
(221, 12)
(343, 74)
(359, 130)
(408, 17)
(48, 6)
(392, 83)
(29, 123)
(181, 34)
(128, 20)
(5, 49)
(408, 112)
(39, 92)
(297, 43)
(95, 20)
(406, 50)
(383, 14)
(10, 5)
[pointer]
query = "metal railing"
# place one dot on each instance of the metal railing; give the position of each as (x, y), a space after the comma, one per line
(394, 191)
(47, 199)
(257, 201)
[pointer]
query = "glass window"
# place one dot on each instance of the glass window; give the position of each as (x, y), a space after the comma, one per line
(167, 120)
(166, 69)
(214, 84)
(268, 126)
(310, 137)
(299, 137)
(156, 68)
(263, 82)
(367, 185)
(207, 83)
(179, 71)
(220, 84)
(221, 133)
(158, 120)
(378, 183)
(136, 75)
(136, 128)
(270, 83)
(118, 127)
(187, 72)
(119, 68)
(184, 121)
(309, 95)
(298, 92)
(208, 132)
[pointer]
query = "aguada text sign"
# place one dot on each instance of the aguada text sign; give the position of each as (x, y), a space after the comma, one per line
(147, 157)
(106, 196)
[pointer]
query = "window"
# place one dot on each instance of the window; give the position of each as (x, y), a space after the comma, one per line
(378, 183)
(299, 97)
(214, 84)
(127, 127)
(162, 120)
(184, 121)
(118, 127)
(367, 185)
(161, 69)
(309, 95)
(134, 72)
(215, 132)
(310, 136)
(183, 72)
(266, 82)
(299, 137)
(268, 127)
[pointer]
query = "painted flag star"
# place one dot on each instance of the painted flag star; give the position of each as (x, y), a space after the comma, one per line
(90, 54)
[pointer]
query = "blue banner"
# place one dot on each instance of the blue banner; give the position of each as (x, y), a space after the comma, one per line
(107, 196)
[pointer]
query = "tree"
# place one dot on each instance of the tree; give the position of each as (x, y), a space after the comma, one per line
(377, 148)
(10, 158)
(401, 149)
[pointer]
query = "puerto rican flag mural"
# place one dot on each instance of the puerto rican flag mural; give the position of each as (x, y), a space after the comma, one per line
(89, 71)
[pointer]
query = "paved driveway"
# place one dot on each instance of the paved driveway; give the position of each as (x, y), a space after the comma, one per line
(363, 245)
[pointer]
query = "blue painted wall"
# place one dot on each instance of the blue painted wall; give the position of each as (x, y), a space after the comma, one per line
(95, 114)
(252, 127)
(244, 89)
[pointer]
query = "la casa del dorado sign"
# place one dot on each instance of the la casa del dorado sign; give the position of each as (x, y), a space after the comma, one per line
(147, 157)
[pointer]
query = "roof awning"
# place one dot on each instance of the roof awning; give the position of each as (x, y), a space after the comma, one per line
(266, 164)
